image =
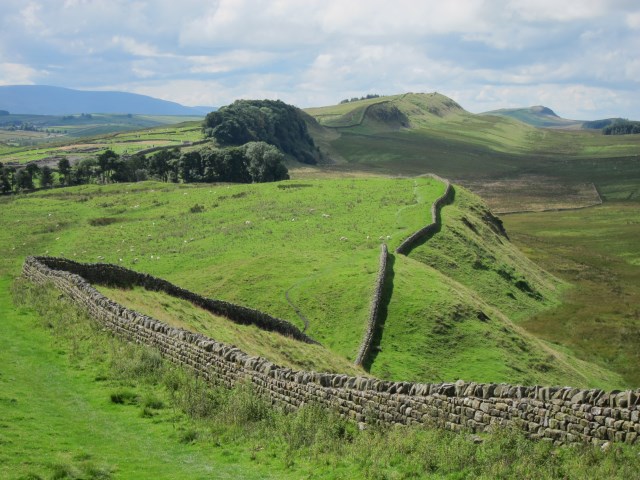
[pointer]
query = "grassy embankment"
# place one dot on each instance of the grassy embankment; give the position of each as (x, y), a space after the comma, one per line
(78, 404)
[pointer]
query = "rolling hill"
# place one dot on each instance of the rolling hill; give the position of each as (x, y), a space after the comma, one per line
(48, 100)
(537, 116)
(414, 133)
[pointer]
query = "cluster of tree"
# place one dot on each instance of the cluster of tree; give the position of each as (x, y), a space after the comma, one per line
(622, 127)
(254, 162)
(86, 116)
(25, 126)
(13, 179)
(270, 121)
(355, 99)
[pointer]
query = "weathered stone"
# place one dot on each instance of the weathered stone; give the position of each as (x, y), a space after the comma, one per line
(551, 413)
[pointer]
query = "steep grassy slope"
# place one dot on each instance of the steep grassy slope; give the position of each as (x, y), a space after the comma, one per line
(252, 340)
(463, 323)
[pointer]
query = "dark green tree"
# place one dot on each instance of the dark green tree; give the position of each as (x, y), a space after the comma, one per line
(160, 164)
(107, 161)
(33, 169)
(265, 163)
(190, 167)
(46, 177)
(24, 180)
(64, 169)
(5, 182)
(270, 121)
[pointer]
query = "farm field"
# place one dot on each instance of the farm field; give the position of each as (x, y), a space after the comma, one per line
(90, 143)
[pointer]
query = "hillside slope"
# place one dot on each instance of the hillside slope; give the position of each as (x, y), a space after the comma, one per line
(318, 241)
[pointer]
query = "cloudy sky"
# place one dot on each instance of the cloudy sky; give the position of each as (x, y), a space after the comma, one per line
(579, 57)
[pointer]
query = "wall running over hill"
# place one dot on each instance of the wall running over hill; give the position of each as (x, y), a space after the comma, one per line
(409, 243)
(116, 276)
(374, 313)
(550, 413)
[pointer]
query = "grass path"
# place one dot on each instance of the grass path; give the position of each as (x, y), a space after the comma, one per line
(54, 415)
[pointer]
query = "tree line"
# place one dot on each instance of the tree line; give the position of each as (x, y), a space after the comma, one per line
(355, 99)
(253, 162)
(622, 127)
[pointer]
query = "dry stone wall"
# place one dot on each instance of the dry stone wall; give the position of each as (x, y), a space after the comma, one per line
(405, 247)
(114, 275)
(550, 413)
(374, 313)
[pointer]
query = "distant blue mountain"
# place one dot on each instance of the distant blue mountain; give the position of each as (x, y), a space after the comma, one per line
(47, 100)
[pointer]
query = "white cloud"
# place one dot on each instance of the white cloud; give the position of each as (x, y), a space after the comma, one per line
(228, 61)
(554, 10)
(15, 73)
(319, 51)
(633, 20)
(136, 48)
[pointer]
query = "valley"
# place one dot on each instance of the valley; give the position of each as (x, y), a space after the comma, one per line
(548, 300)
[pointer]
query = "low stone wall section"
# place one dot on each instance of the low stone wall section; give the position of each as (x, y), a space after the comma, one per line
(114, 275)
(550, 413)
(409, 243)
(374, 311)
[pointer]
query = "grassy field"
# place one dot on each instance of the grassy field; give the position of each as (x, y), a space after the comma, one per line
(319, 241)
(597, 250)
